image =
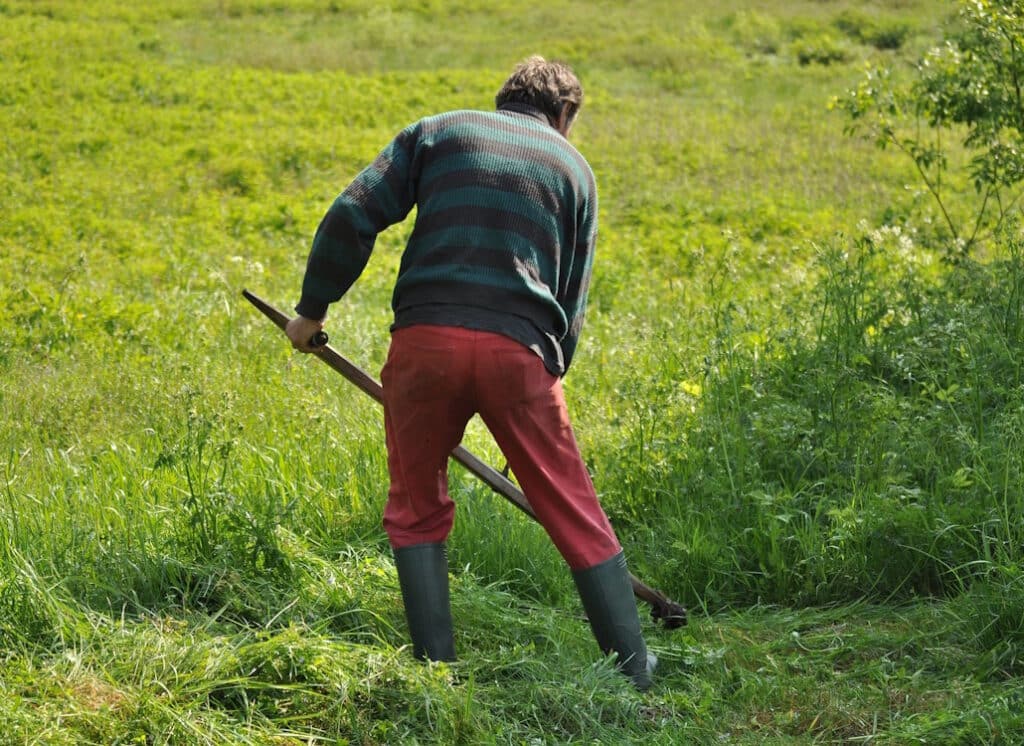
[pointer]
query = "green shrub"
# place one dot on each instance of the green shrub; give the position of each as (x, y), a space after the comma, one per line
(879, 32)
(819, 49)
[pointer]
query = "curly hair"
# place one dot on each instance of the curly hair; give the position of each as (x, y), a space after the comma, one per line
(548, 86)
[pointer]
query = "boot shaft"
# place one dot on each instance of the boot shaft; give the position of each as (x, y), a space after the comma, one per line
(607, 596)
(423, 578)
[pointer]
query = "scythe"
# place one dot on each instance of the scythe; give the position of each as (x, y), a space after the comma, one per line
(663, 609)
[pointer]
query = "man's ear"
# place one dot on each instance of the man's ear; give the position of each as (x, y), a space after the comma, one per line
(563, 124)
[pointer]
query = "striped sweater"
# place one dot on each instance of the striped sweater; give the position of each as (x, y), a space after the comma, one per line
(503, 241)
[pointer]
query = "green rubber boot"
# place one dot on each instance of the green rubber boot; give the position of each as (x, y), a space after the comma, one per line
(607, 596)
(423, 577)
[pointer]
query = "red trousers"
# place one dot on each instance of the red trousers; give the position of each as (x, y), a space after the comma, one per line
(435, 379)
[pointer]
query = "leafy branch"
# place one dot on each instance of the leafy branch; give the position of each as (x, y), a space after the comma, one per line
(969, 88)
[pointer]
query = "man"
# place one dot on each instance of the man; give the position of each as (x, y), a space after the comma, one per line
(488, 303)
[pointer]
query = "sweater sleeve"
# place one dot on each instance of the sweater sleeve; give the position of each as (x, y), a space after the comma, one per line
(380, 196)
(577, 286)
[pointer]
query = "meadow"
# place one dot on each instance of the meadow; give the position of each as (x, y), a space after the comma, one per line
(804, 420)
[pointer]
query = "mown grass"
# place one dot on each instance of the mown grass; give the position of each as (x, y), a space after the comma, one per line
(804, 425)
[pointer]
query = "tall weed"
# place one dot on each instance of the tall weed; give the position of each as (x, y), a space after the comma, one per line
(873, 447)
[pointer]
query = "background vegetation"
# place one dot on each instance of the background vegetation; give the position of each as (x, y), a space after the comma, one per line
(800, 397)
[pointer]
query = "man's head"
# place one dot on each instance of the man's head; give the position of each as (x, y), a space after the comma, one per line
(551, 87)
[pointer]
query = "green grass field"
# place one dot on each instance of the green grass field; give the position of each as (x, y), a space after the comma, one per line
(805, 425)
